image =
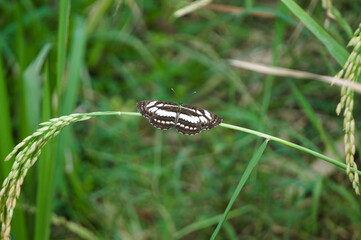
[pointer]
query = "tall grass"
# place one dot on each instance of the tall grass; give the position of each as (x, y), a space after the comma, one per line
(28, 151)
(46, 186)
(114, 178)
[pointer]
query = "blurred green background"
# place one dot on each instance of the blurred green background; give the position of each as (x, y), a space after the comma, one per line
(120, 178)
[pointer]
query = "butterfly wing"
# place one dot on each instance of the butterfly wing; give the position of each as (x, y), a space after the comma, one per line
(192, 120)
(161, 114)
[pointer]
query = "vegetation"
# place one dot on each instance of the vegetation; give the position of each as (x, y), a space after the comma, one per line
(282, 164)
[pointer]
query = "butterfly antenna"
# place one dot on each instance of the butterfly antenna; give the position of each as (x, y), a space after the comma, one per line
(175, 94)
(191, 94)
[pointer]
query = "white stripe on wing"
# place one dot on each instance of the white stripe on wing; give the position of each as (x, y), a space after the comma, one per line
(164, 113)
(191, 119)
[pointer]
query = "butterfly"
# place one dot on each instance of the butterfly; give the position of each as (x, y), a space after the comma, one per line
(187, 120)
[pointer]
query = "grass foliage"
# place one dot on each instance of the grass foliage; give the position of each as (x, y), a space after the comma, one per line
(119, 178)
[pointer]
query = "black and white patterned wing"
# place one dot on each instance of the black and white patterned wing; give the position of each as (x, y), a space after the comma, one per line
(161, 114)
(192, 120)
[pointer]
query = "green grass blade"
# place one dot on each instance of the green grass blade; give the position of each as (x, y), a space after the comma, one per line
(45, 174)
(6, 139)
(75, 65)
(326, 138)
(68, 102)
(47, 166)
(6, 144)
(290, 144)
(64, 13)
(32, 96)
(76, 61)
(230, 231)
(202, 224)
(335, 49)
(32, 88)
(21, 53)
(342, 21)
(98, 15)
(254, 161)
(280, 27)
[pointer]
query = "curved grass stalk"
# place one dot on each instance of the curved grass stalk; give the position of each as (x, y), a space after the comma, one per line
(290, 144)
(27, 153)
(252, 163)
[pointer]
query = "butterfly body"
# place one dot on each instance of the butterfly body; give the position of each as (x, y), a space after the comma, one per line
(187, 120)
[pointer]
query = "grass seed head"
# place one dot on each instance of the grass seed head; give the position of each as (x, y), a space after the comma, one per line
(26, 154)
(351, 71)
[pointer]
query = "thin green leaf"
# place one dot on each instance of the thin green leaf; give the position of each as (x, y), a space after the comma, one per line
(32, 88)
(343, 23)
(76, 63)
(254, 161)
(6, 139)
(21, 61)
(290, 144)
(46, 168)
(196, 226)
(280, 27)
(70, 98)
(335, 49)
(326, 138)
(61, 44)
